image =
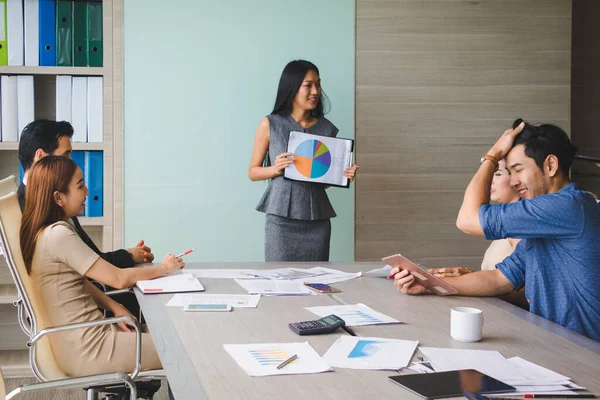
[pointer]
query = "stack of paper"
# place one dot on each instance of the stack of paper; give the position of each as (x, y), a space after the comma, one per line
(527, 377)
(354, 315)
(235, 300)
(275, 288)
(263, 359)
(370, 353)
(310, 275)
(171, 284)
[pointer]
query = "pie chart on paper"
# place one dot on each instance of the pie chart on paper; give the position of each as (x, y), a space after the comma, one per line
(312, 158)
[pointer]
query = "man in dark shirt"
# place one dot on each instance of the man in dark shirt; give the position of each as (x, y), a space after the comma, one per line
(44, 137)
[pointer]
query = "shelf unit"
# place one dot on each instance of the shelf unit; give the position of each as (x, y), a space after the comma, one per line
(106, 231)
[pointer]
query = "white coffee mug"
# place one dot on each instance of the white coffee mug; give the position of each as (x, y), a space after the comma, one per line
(466, 324)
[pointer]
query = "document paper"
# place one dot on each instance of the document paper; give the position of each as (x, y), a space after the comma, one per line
(319, 159)
(263, 359)
(354, 315)
(235, 300)
(370, 353)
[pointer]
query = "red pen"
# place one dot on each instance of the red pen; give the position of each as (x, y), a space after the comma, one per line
(185, 253)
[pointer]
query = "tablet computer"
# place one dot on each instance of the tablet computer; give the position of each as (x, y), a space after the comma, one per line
(439, 385)
(421, 275)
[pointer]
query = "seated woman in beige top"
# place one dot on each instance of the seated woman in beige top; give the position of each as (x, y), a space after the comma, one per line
(501, 192)
(59, 263)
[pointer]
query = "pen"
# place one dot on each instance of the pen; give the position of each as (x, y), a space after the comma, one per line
(563, 396)
(185, 253)
(286, 362)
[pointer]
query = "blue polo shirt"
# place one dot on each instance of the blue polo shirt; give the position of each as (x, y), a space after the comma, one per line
(558, 262)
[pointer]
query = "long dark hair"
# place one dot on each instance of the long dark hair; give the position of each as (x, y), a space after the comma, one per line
(48, 175)
(291, 79)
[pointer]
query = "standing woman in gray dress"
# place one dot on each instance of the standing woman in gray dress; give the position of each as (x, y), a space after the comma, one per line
(297, 224)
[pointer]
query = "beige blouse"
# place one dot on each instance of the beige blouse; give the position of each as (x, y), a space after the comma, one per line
(60, 261)
(498, 251)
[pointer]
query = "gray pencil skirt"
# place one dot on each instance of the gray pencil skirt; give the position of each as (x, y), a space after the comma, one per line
(296, 240)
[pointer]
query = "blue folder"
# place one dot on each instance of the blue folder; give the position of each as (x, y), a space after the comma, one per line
(47, 20)
(94, 179)
(79, 158)
(21, 173)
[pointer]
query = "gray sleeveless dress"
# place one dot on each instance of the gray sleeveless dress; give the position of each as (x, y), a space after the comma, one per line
(297, 225)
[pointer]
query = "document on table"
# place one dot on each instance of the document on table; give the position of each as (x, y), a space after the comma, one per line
(308, 275)
(515, 371)
(235, 300)
(263, 359)
(275, 288)
(370, 353)
(354, 315)
(174, 283)
(329, 276)
(223, 273)
(382, 272)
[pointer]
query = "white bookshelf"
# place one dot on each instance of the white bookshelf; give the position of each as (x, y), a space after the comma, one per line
(103, 230)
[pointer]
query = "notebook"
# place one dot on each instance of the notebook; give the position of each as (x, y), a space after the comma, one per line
(177, 283)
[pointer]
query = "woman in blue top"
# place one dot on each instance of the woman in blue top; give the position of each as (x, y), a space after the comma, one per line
(297, 225)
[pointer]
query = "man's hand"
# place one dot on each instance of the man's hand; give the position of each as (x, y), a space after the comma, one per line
(598, 164)
(405, 282)
(141, 253)
(118, 310)
(501, 148)
(449, 272)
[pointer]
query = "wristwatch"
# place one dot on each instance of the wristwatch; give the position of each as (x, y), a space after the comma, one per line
(489, 157)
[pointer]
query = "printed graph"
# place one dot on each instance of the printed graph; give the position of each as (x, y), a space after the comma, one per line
(270, 356)
(293, 274)
(360, 317)
(312, 158)
(365, 348)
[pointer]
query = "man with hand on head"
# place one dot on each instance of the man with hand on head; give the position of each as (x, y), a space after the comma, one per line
(557, 261)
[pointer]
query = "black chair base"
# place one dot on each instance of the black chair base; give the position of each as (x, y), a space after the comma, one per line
(146, 389)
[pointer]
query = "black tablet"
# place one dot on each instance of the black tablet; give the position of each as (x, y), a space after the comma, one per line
(438, 385)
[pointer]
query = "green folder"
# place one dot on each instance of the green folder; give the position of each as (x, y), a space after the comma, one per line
(80, 34)
(64, 33)
(3, 34)
(94, 20)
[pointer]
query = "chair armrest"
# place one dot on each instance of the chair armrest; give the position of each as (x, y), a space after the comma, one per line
(119, 291)
(108, 321)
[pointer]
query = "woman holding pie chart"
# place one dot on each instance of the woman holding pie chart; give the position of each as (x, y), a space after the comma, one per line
(297, 223)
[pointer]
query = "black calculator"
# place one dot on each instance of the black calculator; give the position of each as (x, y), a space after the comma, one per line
(326, 324)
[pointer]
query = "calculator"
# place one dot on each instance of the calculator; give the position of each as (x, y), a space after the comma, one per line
(326, 324)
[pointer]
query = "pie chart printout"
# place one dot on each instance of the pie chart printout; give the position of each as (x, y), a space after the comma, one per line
(312, 158)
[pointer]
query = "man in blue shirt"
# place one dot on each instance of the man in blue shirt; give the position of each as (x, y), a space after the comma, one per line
(558, 261)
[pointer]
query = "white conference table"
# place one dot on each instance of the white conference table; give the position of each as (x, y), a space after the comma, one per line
(190, 345)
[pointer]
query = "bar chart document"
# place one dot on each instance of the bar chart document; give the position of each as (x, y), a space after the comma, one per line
(354, 315)
(262, 359)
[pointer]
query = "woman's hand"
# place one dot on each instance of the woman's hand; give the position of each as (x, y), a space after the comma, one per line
(350, 172)
(449, 272)
(282, 161)
(118, 310)
(172, 263)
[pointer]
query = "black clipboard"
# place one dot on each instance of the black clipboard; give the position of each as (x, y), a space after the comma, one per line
(309, 136)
